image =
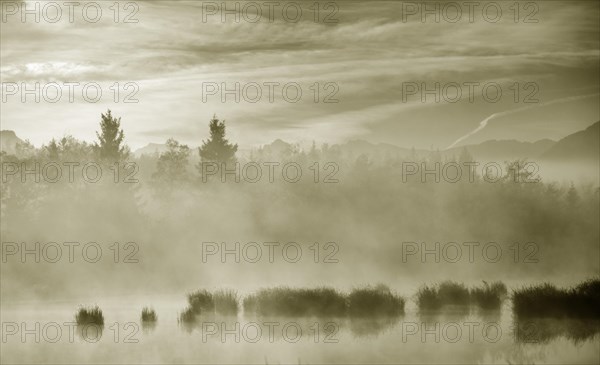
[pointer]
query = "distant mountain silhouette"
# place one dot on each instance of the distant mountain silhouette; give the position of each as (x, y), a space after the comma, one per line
(150, 149)
(9, 141)
(504, 150)
(359, 147)
(581, 146)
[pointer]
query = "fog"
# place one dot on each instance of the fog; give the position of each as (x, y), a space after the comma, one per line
(371, 222)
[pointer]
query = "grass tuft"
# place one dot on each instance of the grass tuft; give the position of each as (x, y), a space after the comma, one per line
(378, 301)
(489, 296)
(149, 315)
(449, 293)
(203, 302)
(91, 315)
(546, 300)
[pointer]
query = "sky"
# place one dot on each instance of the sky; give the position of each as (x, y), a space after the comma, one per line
(366, 55)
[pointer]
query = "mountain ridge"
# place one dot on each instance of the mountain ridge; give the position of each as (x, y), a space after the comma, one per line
(581, 145)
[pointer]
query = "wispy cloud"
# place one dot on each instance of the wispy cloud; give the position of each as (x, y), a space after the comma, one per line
(369, 53)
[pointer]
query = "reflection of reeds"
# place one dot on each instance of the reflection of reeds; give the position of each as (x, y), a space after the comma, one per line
(449, 293)
(92, 315)
(546, 300)
(372, 326)
(544, 330)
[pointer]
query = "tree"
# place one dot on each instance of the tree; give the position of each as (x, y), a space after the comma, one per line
(572, 196)
(172, 164)
(53, 150)
(314, 153)
(111, 146)
(217, 148)
(68, 147)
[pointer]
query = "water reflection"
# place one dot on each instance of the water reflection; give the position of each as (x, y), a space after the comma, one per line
(440, 337)
(291, 329)
(90, 332)
(148, 326)
(544, 330)
(372, 327)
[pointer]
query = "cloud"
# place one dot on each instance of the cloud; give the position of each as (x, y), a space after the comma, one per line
(369, 53)
(485, 122)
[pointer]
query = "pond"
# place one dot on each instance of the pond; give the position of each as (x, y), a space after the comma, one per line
(32, 334)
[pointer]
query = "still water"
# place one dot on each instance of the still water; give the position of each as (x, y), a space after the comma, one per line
(34, 334)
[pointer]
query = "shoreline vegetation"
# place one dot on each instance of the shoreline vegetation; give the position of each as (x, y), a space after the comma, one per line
(89, 316)
(203, 302)
(546, 300)
(449, 293)
(148, 315)
(534, 301)
(325, 302)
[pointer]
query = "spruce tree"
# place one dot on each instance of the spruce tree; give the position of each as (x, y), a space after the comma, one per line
(217, 148)
(110, 146)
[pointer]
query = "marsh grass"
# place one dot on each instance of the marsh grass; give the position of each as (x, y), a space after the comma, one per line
(324, 302)
(378, 301)
(187, 316)
(290, 302)
(449, 293)
(149, 315)
(203, 302)
(89, 315)
(546, 300)
(226, 302)
(489, 296)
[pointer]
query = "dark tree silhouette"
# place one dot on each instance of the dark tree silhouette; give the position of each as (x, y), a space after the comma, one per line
(53, 150)
(172, 164)
(217, 148)
(111, 146)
